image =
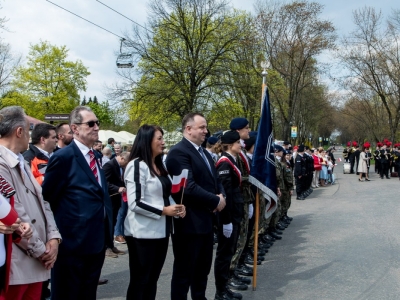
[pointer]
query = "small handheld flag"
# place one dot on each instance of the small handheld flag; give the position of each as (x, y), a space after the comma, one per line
(179, 181)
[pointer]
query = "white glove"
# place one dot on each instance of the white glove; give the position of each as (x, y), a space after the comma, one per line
(227, 230)
(251, 211)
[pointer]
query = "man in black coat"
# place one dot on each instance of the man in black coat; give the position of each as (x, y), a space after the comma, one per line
(192, 240)
(114, 171)
(300, 172)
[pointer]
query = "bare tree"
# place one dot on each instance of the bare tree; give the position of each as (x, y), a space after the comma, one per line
(8, 63)
(294, 35)
(371, 55)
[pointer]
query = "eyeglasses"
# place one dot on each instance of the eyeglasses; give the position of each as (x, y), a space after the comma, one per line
(90, 123)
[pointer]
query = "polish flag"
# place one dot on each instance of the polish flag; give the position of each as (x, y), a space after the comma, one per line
(8, 215)
(179, 181)
(339, 159)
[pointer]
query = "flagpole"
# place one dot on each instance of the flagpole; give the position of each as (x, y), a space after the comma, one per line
(257, 208)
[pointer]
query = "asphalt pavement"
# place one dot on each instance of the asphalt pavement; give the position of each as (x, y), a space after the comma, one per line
(343, 243)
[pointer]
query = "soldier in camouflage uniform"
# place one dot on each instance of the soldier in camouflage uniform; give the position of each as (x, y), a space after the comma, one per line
(241, 125)
(288, 191)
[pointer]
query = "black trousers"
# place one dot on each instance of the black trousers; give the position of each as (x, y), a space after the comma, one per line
(384, 170)
(352, 162)
(192, 264)
(146, 259)
(299, 185)
(76, 276)
(225, 251)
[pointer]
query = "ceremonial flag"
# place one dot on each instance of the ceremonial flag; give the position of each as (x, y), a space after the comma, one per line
(263, 170)
(179, 181)
(339, 159)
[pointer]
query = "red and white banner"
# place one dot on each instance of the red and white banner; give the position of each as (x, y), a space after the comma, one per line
(8, 215)
(179, 181)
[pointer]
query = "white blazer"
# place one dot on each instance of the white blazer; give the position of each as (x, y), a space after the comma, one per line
(145, 203)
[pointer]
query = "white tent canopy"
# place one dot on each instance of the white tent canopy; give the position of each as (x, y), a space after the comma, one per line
(122, 137)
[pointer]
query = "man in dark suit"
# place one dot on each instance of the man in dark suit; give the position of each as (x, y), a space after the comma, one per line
(192, 240)
(114, 170)
(76, 188)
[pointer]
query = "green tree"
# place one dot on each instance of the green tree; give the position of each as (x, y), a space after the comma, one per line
(50, 79)
(184, 59)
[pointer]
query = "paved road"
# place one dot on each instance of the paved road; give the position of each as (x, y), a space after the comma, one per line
(343, 243)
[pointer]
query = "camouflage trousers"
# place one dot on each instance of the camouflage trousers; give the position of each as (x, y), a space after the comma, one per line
(262, 221)
(286, 200)
(244, 226)
(277, 213)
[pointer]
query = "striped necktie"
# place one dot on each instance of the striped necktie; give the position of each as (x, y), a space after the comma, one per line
(92, 164)
(205, 158)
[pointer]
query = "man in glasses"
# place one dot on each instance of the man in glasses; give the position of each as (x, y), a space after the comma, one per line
(77, 191)
(64, 135)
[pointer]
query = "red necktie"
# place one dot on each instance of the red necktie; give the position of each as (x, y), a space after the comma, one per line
(92, 164)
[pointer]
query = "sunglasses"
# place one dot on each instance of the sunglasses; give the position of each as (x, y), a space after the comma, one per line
(90, 123)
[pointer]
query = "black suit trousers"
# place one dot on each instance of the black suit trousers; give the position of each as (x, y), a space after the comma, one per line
(192, 264)
(225, 251)
(76, 276)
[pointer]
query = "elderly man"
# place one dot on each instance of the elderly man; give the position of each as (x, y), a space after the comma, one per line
(117, 149)
(31, 259)
(76, 189)
(107, 154)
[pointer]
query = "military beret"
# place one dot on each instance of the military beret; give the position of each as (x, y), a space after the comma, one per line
(212, 140)
(287, 152)
(301, 148)
(286, 143)
(238, 123)
(230, 137)
(278, 148)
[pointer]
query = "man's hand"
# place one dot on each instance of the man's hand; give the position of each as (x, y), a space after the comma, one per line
(121, 190)
(48, 258)
(10, 229)
(221, 203)
(279, 192)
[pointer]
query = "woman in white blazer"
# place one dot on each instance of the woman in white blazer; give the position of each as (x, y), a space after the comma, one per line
(148, 223)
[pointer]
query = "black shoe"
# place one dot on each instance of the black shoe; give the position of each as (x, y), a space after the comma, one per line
(279, 227)
(259, 253)
(244, 270)
(275, 236)
(237, 284)
(233, 295)
(264, 246)
(302, 198)
(267, 238)
(311, 190)
(222, 295)
(288, 218)
(242, 279)
(277, 231)
(282, 223)
(250, 261)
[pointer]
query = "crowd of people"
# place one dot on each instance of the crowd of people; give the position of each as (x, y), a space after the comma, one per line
(75, 201)
(386, 159)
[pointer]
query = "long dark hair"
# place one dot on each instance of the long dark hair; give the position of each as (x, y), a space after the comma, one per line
(142, 148)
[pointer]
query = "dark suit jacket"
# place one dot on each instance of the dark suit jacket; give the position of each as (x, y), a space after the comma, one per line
(114, 179)
(200, 196)
(78, 202)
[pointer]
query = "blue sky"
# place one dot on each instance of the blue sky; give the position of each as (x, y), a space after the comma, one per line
(33, 20)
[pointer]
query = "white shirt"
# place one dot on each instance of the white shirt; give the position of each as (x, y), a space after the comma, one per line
(194, 145)
(21, 160)
(85, 152)
(45, 152)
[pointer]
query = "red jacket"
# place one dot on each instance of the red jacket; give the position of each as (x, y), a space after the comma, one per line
(317, 164)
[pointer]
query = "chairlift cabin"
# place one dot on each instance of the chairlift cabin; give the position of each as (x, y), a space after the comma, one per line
(124, 60)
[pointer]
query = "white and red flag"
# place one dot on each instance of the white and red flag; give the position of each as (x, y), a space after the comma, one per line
(339, 159)
(8, 215)
(179, 181)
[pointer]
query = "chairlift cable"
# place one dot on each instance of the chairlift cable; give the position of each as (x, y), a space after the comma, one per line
(85, 19)
(124, 16)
